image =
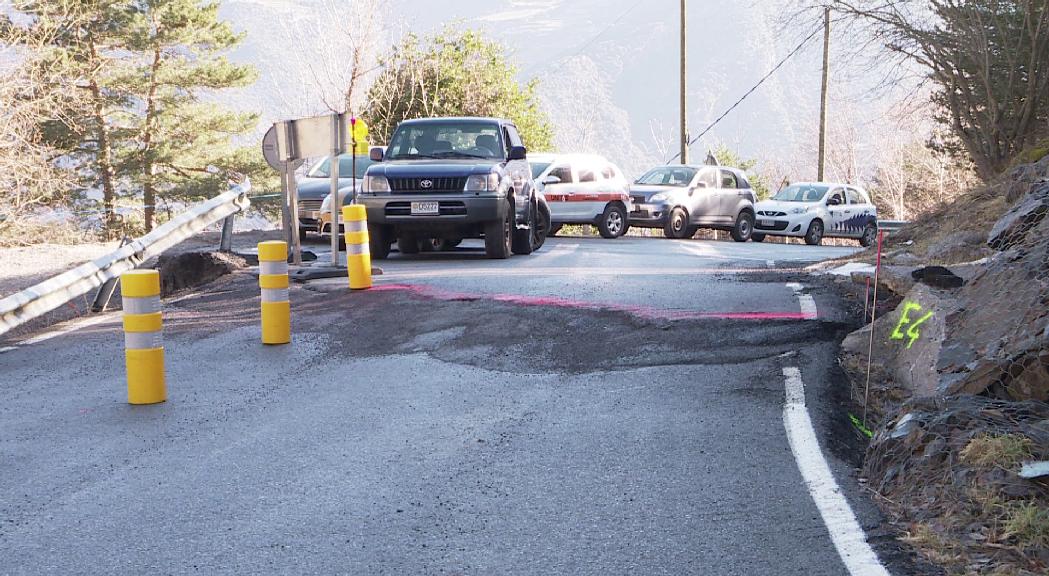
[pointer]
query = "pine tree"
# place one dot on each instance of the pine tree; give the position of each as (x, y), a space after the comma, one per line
(185, 145)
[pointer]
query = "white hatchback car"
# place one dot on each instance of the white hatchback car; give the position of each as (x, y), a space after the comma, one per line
(583, 189)
(815, 210)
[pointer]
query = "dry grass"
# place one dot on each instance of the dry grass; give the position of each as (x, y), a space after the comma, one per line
(942, 551)
(1005, 451)
(1027, 524)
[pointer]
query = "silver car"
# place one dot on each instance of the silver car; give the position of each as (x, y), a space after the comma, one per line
(682, 199)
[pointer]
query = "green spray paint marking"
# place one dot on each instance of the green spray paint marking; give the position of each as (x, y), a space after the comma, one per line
(859, 425)
(912, 332)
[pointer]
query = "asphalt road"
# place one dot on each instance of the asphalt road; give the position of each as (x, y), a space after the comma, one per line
(601, 407)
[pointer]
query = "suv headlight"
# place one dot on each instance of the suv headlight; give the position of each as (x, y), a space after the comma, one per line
(661, 197)
(374, 184)
(483, 182)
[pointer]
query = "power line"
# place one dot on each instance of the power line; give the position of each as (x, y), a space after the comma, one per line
(752, 89)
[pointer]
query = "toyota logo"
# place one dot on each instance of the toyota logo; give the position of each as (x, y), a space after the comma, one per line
(427, 184)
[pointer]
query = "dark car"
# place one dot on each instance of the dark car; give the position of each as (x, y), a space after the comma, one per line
(316, 186)
(683, 199)
(442, 180)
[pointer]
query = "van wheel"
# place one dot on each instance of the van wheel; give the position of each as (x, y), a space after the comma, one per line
(870, 235)
(814, 235)
(744, 227)
(613, 222)
(676, 224)
(497, 237)
(408, 244)
(757, 237)
(378, 242)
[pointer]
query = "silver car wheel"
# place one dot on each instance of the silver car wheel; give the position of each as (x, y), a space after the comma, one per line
(614, 223)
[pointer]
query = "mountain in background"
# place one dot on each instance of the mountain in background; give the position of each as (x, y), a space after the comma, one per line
(608, 69)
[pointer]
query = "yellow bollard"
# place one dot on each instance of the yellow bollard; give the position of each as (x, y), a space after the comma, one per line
(143, 331)
(273, 280)
(358, 255)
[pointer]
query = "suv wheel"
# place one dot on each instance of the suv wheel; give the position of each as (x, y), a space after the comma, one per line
(408, 244)
(676, 225)
(542, 227)
(378, 242)
(744, 227)
(497, 237)
(521, 242)
(613, 222)
(814, 235)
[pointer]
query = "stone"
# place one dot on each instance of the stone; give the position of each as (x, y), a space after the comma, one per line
(1012, 228)
(938, 277)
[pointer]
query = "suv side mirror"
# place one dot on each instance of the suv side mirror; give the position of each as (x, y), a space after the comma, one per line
(517, 153)
(375, 154)
(551, 180)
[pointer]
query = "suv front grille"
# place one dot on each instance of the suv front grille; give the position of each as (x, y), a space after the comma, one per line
(437, 185)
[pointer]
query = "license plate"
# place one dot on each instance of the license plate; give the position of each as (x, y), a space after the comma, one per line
(768, 223)
(425, 208)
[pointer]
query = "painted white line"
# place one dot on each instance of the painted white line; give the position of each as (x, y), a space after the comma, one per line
(848, 537)
(67, 328)
(807, 302)
(770, 263)
(8, 349)
(696, 250)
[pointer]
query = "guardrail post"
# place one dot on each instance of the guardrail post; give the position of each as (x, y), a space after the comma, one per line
(226, 242)
(273, 280)
(358, 254)
(143, 332)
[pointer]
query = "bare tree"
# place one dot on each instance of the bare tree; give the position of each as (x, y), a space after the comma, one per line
(988, 59)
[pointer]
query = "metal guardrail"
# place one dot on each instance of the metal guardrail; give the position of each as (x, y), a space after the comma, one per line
(48, 295)
(891, 226)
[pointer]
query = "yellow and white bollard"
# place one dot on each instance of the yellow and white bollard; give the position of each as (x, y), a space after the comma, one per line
(143, 331)
(273, 280)
(358, 255)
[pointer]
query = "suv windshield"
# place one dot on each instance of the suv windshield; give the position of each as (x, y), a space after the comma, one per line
(679, 176)
(801, 193)
(323, 170)
(464, 139)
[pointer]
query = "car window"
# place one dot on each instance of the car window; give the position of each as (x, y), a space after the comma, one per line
(563, 172)
(538, 168)
(465, 139)
(708, 176)
(855, 196)
(837, 194)
(668, 176)
(608, 173)
(586, 174)
(323, 169)
(728, 180)
(513, 136)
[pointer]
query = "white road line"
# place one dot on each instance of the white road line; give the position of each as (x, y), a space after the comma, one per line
(70, 327)
(770, 263)
(8, 349)
(697, 251)
(807, 302)
(848, 537)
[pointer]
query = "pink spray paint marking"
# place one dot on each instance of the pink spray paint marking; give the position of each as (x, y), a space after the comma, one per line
(646, 312)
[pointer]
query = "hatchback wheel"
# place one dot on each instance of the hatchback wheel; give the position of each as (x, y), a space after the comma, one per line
(814, 235)
(676, 225)
(870, 235)
(744, 227)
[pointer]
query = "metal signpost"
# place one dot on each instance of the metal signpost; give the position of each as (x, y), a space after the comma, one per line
(289, 191)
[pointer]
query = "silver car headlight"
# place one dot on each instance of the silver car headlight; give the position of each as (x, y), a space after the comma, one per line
(376, 184)
(661, 197)
(483, 182)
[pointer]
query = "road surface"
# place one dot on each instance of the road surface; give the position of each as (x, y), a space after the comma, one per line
(601, 407)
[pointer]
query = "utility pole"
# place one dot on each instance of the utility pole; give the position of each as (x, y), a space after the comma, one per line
(684, 86)
(823, 95)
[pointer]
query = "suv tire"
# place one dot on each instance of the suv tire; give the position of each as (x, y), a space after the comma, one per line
(744, 227)
(613, 222)
(521, 242)
(497, 238)
(378, 242)
(676, 224)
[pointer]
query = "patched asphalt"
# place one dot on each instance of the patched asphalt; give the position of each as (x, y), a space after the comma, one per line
(406, 434)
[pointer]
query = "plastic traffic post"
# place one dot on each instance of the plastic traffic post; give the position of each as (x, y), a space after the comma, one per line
(358, 256)
(273, 280)
(143, 331)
